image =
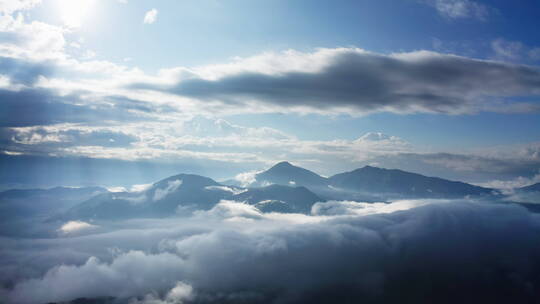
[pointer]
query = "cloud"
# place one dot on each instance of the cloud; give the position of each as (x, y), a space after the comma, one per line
(150, 16)
(10, 6)
(24, 72)
(507, 50)
(333, 208)
(255, 149)
(75, 226)
(356, 81)
(517, 182)
(534, 53)
(459, 9)
(225, 188)
(179, 294)
(47, 106)
(378, 257)
(171, 187)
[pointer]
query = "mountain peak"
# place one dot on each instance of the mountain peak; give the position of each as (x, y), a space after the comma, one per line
(283, 164)
(285, 173)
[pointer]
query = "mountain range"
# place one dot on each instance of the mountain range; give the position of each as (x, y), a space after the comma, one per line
(377, 182)
(282, 188)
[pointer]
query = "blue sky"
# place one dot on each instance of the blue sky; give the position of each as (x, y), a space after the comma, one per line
(449, 87)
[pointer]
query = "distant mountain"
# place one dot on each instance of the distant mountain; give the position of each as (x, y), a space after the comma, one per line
(285, 173)
(282, 188)
(24, 203)
(401, 183)
(279, 198)
(52, 192)
(531, 188)
(164, 198)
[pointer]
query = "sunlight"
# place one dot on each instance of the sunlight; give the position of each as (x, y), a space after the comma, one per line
(74, 12)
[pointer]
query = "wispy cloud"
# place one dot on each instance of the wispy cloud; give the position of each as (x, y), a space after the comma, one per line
(458, 9)
(150, 16)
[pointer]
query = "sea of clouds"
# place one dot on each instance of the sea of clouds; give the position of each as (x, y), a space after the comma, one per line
(414, 251)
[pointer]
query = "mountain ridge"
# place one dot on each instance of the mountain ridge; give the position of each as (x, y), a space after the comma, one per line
(284, 187)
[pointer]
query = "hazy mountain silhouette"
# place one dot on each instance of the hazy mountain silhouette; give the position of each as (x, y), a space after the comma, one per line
(531, 188)
(282, 188)
(35, 202)
(393, 181)
(162, 199)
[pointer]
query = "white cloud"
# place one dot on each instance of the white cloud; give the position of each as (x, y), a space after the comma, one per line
(246, 178)
(179, 294)
(10, 6)
(334, 208)
(140, 187)
(171, 187)
(150, 16)
(225, 188)
(76, 226)
(117, 189)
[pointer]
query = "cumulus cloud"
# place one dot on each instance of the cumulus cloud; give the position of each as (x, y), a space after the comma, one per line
(379, 257)
(150, 16)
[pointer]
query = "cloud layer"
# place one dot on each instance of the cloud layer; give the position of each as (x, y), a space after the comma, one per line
(431, 251)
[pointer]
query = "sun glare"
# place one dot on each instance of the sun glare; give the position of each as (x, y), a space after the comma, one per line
(74, 12)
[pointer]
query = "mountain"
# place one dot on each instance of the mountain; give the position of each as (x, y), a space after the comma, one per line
(52, 192)
(531, 188)
(282, 188)
(401, 183)
(164, 198)
(279, 198)
(24, 203)
(23, 212)
(284, 173)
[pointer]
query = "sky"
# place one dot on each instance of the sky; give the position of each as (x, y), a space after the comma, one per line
(123, 92)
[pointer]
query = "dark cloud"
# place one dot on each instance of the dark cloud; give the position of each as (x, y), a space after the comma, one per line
(438, 253)
(24, 72)
(424, 82)
(33, 107)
